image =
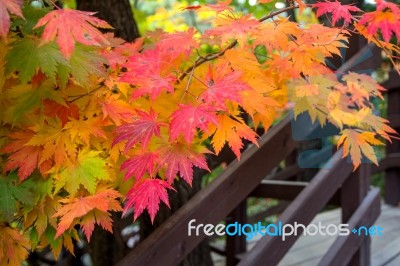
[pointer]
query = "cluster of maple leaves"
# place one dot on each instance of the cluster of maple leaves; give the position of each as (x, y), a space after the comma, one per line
(79, 107)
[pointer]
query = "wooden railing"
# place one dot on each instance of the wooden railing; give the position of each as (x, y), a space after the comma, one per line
(225, 199)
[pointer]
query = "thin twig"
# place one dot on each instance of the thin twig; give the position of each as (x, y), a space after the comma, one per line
(189, 80)
(86, 94)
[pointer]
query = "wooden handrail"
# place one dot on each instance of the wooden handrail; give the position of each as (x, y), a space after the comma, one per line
(213, 203)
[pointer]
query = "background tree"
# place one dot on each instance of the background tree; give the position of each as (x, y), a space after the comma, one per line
(117, 13)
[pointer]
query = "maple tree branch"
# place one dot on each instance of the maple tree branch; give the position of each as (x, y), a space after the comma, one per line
(273, 14)
(189, 81)
(86, 94)
(206, 58)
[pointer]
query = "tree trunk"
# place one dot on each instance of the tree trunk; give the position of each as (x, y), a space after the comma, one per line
(117, 13)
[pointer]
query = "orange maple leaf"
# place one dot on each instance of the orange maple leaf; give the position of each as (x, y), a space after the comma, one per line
(13, 248)
(97, 206)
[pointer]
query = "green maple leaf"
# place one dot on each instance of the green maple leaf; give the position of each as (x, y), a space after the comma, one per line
(88, 169)
(27, 57)
(85, 61)
(31, 17)
(12, 193)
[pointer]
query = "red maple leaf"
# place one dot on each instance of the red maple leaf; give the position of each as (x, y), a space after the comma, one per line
(338, 11)
(69, 26)
(179, 158)
(147, 195)
(14, 7)
(385, 19)
(150, 72)
(188, 118)
(119, 54)
(138, 165)
(175, 44)
(222, 84)
(140, 130)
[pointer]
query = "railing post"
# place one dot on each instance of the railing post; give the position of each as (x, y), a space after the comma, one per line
(236, 244)
(353, 191)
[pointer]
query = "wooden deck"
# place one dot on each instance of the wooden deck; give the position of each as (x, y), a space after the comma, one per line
(308, 250)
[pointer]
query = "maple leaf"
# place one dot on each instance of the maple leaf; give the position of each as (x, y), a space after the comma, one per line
(94, 209)
(338, 11)
(150, 72)
(12, 193)
(14, 246)
(87, 170)
(147, 195)
(361, 87)
(84, 63)
(27, 57)
(222, 84)
(233, 28)
(357, 144)
(175, 44)
(41, 216)
(85, 128)
(385, 19)
(29, 97)
(231, 130)
(181, 158)
(13, 7)
(138, 165)
(62, 111)
(153, 83)
(68, 26)
(188, 118)
(117, 110)
(55, 140)
(140, 130)
(24, 157)
(120, 54)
